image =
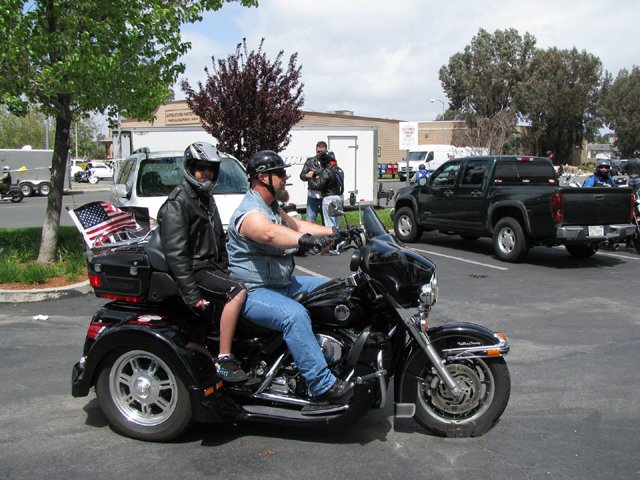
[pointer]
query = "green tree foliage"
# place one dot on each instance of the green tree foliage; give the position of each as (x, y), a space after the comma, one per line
(483, 80)
(73, 57)
(30, 129)
(622, 110)
(557, 92)
(249, 103)
(561, 100)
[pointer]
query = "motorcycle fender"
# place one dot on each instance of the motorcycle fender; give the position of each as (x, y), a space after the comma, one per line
(457, 334)
(194, 368)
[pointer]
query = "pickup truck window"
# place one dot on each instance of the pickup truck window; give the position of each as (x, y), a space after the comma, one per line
(446, 176)
(521, 172)
(474, 172)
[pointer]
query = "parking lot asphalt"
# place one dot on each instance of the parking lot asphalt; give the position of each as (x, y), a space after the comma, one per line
(572, 325)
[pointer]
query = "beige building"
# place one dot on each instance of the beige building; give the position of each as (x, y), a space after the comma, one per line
(178, 113)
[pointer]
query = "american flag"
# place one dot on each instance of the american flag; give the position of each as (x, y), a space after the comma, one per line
(97, 219)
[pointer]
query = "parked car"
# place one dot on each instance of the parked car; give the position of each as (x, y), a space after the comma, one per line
(516, 201)
(146, 178)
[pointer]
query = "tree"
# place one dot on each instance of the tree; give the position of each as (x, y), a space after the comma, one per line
(561, 100)
(249, 103)
(622, 110)
(72, 57)
(496, 134)
(16, 132)
(483, 80)
(450, 115)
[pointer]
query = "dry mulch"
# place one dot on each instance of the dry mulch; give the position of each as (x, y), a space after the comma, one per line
(54, 282)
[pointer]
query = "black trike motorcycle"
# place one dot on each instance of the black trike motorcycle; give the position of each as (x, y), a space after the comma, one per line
(451, 378)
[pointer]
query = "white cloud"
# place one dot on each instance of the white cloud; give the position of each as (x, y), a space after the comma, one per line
(381, 58)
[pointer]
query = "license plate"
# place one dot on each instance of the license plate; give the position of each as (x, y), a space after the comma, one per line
(597, 231)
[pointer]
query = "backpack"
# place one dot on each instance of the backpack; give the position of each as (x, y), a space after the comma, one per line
(340, 178)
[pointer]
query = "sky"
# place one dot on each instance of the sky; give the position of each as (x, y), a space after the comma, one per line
(381, 58)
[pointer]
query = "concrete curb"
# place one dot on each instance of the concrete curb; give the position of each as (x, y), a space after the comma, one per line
(41, 294)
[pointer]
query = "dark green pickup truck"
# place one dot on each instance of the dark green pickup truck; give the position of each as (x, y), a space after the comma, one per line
(517, 202)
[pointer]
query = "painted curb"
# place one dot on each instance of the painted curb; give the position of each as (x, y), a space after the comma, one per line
(41, 294)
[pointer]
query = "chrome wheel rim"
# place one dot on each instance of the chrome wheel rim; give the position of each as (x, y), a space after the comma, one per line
(478, 389)
(143, 388)
(405, 225)
(506, 240)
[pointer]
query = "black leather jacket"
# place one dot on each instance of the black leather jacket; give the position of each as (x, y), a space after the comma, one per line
(192, 237)
(327, 181)
(312, 164)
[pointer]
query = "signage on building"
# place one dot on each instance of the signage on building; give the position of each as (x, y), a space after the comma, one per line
(181, 117)
(408, 135)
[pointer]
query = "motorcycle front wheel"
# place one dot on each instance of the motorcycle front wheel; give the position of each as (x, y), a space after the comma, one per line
(17, 196)
(142, 396)
(486, 387)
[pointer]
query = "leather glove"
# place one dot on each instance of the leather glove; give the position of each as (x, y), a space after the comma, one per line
(314, 242)
(345, 231)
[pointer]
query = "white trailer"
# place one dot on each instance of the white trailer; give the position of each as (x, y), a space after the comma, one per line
(31, 169)
(355, 149)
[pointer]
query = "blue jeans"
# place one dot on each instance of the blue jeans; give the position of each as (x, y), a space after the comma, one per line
(313, 208)
(330, 221)
(274, 309)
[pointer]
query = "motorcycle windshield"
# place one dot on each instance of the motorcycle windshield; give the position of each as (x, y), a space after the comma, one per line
(399, 269)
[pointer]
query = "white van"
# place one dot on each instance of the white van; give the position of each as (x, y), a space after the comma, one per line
(432, 156)
(146, 178)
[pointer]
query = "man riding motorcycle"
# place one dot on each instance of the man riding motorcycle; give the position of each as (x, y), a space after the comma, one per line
(5, 180)
(602, 175)
(262, 241)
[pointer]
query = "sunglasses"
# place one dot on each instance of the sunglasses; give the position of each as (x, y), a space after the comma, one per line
(604, 167)
(280, 173)
(202, 167)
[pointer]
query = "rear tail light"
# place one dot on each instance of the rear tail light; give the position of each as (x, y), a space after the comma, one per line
(95, 280)
(95, 329)
(124, 298)
(557, 206)
(526, 159)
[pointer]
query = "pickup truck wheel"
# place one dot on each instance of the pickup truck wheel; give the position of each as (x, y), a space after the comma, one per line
(509, 241)
(402, 177)
(582, 251)
(405, 226)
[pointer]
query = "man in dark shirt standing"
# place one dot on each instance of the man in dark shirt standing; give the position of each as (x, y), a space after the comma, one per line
(312, 169)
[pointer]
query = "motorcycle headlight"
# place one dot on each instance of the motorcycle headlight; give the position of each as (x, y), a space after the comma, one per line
(429, 291)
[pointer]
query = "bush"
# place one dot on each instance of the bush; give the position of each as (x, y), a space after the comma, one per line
(19, 250)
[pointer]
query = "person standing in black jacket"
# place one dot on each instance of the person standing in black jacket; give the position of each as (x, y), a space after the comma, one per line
(311, 170)
(633, 170)
(194, 244)
(330, 181)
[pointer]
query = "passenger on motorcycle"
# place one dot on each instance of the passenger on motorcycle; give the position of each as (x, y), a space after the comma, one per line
(5, 180)
(193, 242)
(601, 176)
(262, 241)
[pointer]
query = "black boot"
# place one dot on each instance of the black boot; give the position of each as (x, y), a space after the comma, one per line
(340, 392)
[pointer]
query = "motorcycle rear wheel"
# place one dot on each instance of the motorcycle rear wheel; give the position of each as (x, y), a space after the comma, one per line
(486, 386)
(17, 195)
(142, 396)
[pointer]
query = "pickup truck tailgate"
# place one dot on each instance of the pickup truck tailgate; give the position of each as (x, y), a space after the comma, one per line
(596, 205)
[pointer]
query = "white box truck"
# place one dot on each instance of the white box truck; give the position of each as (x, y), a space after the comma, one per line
(432, 156)
(355, 149)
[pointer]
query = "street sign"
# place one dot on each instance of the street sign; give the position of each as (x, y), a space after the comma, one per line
(408, 135)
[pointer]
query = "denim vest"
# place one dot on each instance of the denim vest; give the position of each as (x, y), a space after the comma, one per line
(255, 264)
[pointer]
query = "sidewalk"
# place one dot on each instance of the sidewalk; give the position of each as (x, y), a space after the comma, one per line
(41, 294)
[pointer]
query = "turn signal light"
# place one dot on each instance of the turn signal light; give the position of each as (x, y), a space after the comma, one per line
(95, 329)
(493, 353)
(501, 335)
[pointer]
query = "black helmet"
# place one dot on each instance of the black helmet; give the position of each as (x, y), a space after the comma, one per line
(422, 166)
(202, 152)
(263, 162)
(325, 157)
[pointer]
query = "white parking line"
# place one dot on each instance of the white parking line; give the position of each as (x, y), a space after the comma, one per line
(460, 259)
(615, 255)
(310, 272)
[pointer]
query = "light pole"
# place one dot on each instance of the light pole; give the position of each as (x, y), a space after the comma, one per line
(436, 100)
